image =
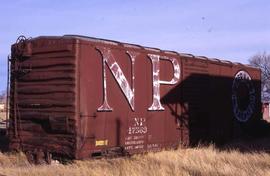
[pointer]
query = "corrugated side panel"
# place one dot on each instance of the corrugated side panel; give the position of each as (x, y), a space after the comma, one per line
(134, 131)
(43, 98)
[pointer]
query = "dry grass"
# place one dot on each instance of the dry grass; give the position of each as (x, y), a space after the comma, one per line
(198, 161)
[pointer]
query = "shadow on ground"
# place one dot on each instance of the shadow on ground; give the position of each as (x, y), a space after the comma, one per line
(257, 141)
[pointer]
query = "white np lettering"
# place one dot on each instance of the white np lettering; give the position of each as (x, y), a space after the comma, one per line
(109, 60)
(156, 105)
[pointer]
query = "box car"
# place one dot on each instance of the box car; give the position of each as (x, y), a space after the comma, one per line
(80, 97)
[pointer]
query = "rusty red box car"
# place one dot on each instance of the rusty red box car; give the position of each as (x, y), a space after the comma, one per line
(80, 97)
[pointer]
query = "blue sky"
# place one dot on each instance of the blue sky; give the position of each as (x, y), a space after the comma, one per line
(231, 30)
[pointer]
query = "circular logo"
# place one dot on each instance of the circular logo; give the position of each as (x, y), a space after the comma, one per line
(243, 96)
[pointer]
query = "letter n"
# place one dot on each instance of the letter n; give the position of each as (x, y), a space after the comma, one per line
(109, 60)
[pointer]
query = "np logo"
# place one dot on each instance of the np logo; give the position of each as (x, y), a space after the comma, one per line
(243, 96)
(129, 89)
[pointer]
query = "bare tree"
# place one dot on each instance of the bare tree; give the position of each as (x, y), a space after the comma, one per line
(262, 61)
